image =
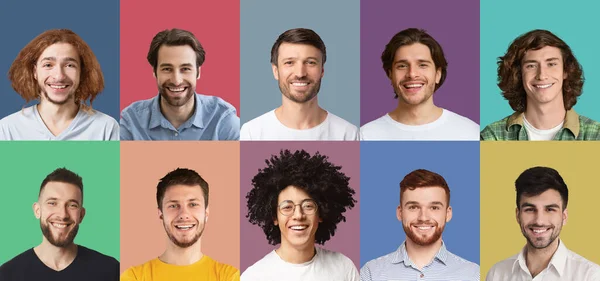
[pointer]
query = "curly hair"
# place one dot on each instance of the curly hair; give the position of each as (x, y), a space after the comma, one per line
(316, 176)
(21, 72)
(510, 79)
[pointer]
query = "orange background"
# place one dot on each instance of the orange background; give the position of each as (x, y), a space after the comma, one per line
(144, 163)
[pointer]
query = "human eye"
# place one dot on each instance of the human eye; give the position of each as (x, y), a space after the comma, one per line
(71, 65)
(73, 206)
(530, 66)
(435, 208)
(401, 66)
(166, 69)
(423, 65)
(194, 204)
(52, 203)
(172, 206)
(309, 206)
(413, 207)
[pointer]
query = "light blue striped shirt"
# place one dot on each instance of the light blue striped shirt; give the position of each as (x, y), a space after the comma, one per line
(445, 266)
(213, 119)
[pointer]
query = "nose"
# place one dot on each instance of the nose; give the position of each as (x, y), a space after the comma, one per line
(58, 73)
(63, 213)
(541, 73)
(184, 213)
(298, 214)
(412, 72)
(177, 78)
(300, 70)
(422, 214)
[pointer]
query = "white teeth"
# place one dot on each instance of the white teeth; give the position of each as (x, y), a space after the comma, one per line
(59, 225)
(539, 230)
(299, 84)
(58, 87)
(425, 227)
(184, 227)
(543, 86)
(176, 89)
(298, 227)
(413, 85)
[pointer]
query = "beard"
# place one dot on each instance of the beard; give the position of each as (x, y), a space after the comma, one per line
(541, 242)
(58, 242)
(175, 101)
(308, 95)
(185, 243)
(420, 239)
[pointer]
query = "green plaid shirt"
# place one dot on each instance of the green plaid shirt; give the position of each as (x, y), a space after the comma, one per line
(576, 127)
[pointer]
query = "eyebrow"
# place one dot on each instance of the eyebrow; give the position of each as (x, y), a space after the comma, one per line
(177, 201)
(419, 61)
(54, 59)
(170, 64)
(547, 60)
(524, 205)
(70, 200)
(417, 203)
(308, 58)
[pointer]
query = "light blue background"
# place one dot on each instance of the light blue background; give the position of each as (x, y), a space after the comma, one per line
(338, 25)
(573, 22)
(384, 164)
(96, 22)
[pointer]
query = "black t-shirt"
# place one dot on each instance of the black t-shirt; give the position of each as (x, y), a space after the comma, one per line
(88, 265)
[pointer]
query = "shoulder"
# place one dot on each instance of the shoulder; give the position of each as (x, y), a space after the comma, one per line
(259, 121)
(137, 271)
(462, 121)
(467, 268)
(331, 257)
(25, 113)
(138, 107)
(373, 129)
(214, 102)
(584, 265)
(495, 130)
(16, 264)
(94, 256)
(502, 269)
(102, 118)
(224, 271)
(377, 264)
(344, 129)
(339, 121)
(256, 271)
(589, 127)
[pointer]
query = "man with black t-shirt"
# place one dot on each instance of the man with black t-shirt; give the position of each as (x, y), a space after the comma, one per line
(60, 211)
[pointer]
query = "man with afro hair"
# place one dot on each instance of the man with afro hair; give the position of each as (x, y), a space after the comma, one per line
(298, 200)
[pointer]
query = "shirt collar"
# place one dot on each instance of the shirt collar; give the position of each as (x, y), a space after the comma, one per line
(158, 119)
(571, 121)
(558, 260)
(401, 255)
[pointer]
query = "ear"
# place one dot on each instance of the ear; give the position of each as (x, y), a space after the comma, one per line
(448, 213)
(275, 72)
(322, 71)
(199, 67)
(517, 216)
(438, 75)
(35, 72)
(154, 74)
(36, 210)
(399, 213)
(565, 216)
(275, 222)
(160, 214)
(206, 211)
(82, 214)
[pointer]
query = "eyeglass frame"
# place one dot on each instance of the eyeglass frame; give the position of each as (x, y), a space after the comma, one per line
(294, 209)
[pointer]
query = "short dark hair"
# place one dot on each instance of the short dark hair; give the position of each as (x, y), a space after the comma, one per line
(316, 176)
(175, 37)
(181, 176)
(298, 36)
(63, 175)
(411, 36)
(510, 79)
(424, 178)
(535, 181)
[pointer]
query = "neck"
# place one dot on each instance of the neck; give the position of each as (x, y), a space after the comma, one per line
(55, 113)
(177, 115)
(176, 255)
(57, 258)
(415, 115)
(296, 255)
(545, 116)
(538, 259)
(300, 116)
(422, 255)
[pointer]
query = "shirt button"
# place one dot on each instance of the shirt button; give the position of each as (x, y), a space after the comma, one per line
(422, 275)
(176, 134)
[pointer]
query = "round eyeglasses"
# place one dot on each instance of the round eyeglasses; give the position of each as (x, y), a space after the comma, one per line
(287, 207)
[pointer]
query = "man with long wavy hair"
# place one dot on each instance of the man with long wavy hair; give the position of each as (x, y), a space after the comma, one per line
(60, 70)
(541, 79)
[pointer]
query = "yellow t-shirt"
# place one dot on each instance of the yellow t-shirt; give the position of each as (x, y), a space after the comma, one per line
(206, 269)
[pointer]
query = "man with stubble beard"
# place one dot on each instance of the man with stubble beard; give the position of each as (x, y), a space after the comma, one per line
(424, 211)
(60, 211)
(182, 198)
(298, 59)
(177, 112)
(542, 197)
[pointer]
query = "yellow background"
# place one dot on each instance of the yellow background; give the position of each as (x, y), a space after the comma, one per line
(503, 162)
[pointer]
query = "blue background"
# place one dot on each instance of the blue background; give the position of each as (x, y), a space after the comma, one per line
(96, 22)
(384, 164)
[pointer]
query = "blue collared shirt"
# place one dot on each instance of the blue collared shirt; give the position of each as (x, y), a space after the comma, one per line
(398, 266)
(213, 119)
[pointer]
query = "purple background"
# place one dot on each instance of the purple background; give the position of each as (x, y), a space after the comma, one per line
(253, 244)
(454, 24)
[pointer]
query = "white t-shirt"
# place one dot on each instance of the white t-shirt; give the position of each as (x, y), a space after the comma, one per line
(325, 266)
(268, 127)
(535, 134)
(27, 124)
(450, 126)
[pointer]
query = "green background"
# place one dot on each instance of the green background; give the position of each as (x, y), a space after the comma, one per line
(24, 166)
(503, 21)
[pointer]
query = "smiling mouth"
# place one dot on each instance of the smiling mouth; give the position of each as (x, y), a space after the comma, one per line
(60, 225)
(57, 87)
(185, 226)
(540, 230)
(298, 227)
(300, 84)
(177, 89)
(543, 86)
(413, 85)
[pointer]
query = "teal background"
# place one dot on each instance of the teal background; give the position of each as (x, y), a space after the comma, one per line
(503, 21)
(24, 166)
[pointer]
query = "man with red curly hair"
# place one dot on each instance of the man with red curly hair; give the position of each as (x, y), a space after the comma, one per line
(60, 70)
(541, 79)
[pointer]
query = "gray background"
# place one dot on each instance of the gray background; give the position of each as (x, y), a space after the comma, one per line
(338, 24)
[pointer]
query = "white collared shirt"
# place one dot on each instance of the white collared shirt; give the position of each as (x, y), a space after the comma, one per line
(564, 265)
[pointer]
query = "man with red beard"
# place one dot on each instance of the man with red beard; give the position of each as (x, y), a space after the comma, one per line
(298, 60)
(178, 112)
(542, 197)
(415, 64)
(60, 211)
(60, 70)
(424, 211)
(182, 198)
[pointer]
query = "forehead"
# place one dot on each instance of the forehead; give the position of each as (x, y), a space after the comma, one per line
(180, 192)
(61, 190)
(425, 195)
(176, 55)
(416, 51)
(547, 197)
(60, 51)
(292, 193)
(293, 50)
(542, 54)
